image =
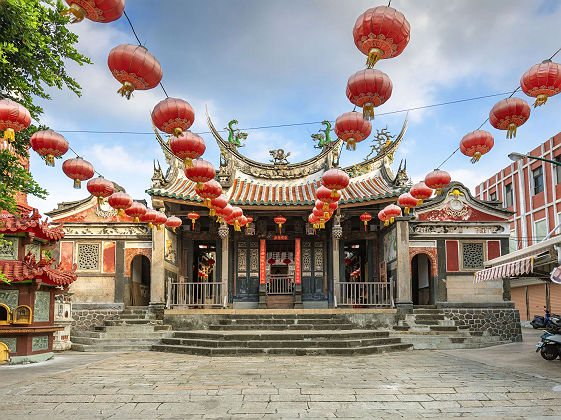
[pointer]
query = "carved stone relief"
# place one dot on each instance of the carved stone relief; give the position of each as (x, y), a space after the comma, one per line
(9, 249)
(41, 310)
(242, 260)
(40, 342)
(9, 298)
(306, 259)
(107, 230)
(253, 260)
(318, 260)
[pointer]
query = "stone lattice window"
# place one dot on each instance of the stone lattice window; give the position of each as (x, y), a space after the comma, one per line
(472, 255)
(88, 257)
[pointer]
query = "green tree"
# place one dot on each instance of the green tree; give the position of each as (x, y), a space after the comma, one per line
(35, 45)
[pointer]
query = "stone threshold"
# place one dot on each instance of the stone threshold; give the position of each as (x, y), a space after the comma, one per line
(186, 311)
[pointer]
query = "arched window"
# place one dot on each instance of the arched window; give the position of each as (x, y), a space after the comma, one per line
(21, 315)
(5, 314)
(4, 353)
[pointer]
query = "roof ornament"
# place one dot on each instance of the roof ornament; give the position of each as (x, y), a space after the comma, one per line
(323, 136)
(279, 157)
(235, 136)
(380, 142)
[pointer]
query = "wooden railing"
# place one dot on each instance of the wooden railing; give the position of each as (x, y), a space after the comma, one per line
(378, 294)
(197, 294)
(280, 285)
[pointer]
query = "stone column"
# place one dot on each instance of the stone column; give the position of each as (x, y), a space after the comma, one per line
(403, 298)
(157, 278)
(223, 232)
(336, 233)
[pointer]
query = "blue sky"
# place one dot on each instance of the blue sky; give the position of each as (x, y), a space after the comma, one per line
(270, 62)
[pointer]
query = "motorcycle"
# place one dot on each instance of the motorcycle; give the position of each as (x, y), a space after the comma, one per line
(550, 344)
(541, 321)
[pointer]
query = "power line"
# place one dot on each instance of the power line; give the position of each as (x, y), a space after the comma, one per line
(299, 123)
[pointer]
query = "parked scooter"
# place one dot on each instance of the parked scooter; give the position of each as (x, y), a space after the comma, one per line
(542, 321)
(550, 344)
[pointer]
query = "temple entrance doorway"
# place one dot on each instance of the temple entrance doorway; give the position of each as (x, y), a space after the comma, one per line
(280, 273)
(421, 290)
(139, 286)
(204, 289)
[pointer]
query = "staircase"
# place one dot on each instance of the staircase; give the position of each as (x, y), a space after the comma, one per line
(428, 328)
(282, 334)
(280, 301)
(134, 330)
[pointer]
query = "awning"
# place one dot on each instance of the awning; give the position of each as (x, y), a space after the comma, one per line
(510, 269)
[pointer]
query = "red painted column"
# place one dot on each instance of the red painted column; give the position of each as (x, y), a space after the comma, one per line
(297, 274)
(262, 262)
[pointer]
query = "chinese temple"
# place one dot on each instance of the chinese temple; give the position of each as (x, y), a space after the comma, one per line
(29, 283)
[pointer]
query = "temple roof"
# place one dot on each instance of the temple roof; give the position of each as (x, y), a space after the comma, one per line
(250, 183)
(30, 223)
(41, 272)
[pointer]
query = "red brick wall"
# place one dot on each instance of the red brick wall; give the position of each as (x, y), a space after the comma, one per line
(430, 252)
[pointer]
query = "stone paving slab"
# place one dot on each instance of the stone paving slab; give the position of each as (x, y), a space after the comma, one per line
(417, 384)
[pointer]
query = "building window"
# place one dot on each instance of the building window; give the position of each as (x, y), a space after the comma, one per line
(540, 230)
(472, 255)
(509, 199)
(88, 257)
(558, 169)
(537, 175)
(493, 196)
(513, 241)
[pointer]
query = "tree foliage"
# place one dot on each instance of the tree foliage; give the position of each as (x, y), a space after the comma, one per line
(35, 45)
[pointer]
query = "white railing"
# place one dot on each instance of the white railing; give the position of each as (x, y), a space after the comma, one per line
(280, 285)
(194, 294)
(365, 294)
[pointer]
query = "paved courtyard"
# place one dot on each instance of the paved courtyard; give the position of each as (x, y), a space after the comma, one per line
(504, 381)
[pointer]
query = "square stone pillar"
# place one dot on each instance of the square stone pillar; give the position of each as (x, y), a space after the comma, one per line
(336, 234)
(403, 295)
(157, 278)
(223, 232)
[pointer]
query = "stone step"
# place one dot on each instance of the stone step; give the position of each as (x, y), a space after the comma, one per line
(136, 316)
(113, 347)
(401, 327)
(311, 351)
(427, 312)
(284, 315)
(426, 321)
(140, 328)
(120, 334)
(429, 316)
(133, 322)
(116, 341)
(280, 321)
(272, 335)
(424, 307)
(443, 328)
(279, 327)
(336, 343)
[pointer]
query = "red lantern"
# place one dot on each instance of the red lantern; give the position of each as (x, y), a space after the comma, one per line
(381, 32)
(383, 217)
(193, 216)
(365, 218)
(201, 172)
(509, 114)
(149, 217)
(187, 146)
(120, 201)
(217, 203)
(223, 213)
(279, 220)
(173, 222)
(391, 212)
(243, 221)
(101, 188)
(320, 206)
(437, 180)
(313, 220)
(78, 169)
(352, 128)
(369, 89)
(542, 81)
(335, 179)
(286, 261)
(173, 116)
(136, 211)
(134, 67)
(327, 196)
(421, 192)
(271, 261)
(209, 190)
(407, 201)
(13, 117)
(49, 144)
(477, 143)
(235, 217)
(332, 207)
(97, 10)
(161, 220)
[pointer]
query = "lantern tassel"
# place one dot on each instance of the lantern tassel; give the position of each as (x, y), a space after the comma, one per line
(9, 135)
(120, 212)
(136, 220)
(475, 158)
(126, 90)
(365, 223)
(438, 191)
(219, 219)
(77, 184)
(75, 13)
(373, 56)
(173, 229)
(406, 210)
(50, 160)
(540, 100)
(207, 202)
(351, 144)
(511, 131)
(386, 222)
(326, 214)
(334, 194)
(419, 202)
(193, 221)
(99, 201)
(212, 212)
(150, 225)
(368, 111)
(188, 162)
(237, 226)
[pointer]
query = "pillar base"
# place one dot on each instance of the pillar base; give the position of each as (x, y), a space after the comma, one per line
(403, 308)
(298, 297)
(262, 297)
(157, 308)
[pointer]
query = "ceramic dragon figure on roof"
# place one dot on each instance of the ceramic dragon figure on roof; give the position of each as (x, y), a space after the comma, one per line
(235, 136)
(323, 136)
